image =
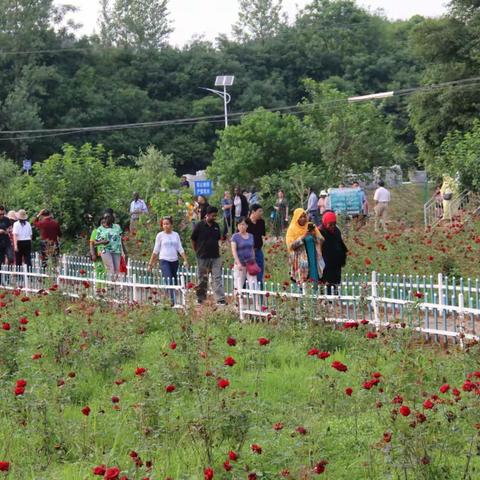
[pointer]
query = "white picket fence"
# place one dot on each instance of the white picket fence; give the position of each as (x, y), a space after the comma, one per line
(441, 307)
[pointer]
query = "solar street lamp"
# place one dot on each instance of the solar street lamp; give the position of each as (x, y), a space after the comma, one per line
(223, 81)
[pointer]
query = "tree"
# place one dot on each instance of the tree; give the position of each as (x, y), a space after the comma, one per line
(141, 24)
(263, 143)
(259, 19)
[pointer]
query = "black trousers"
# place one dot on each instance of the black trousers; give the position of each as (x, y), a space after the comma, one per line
(24, 253)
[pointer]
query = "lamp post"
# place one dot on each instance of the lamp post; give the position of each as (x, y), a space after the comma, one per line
(223, 81)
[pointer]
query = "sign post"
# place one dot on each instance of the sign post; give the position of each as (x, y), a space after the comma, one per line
(347, 201)
(203, 187)
(27, 166)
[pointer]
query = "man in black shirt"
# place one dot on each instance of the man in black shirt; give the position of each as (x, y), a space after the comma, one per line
(5, 243)
(256, 226)
(205, 238)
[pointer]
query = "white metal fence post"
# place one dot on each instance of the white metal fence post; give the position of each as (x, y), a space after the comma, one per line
(26, 284)
(135, 292)
(374, 299)
(440, 290)
(461, 314)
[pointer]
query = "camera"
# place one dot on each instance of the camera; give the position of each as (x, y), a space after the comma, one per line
(311, 227)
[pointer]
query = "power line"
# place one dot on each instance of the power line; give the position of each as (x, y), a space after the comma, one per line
(291, 109)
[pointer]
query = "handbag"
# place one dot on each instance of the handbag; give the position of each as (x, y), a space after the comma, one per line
(447, 195)
(253, 269)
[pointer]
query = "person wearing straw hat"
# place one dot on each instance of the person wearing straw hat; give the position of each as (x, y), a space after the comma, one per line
(22, 239)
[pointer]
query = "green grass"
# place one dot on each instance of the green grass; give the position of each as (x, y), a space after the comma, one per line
(45, 436)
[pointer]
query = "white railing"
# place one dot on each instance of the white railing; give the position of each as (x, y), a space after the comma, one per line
(433, 211)
(443, 306)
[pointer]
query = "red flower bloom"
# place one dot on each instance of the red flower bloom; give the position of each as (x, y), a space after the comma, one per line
(4, 466)
(468, 386)
(404, 410)
(278, 426)
(418, 295)
(112, 473)
(21, 383)
(387, 437)
(349, 325)
(339, 366)
(256, 448)
(372, 335)
(208, 473)
(99, 470)
(301, 430)
(36, 356)
(25, 299)
(444, 388)
(227, 466)
(313, 351)
(82, 271)
(368, 384)
(19, 391)
(420, 417)
(456, 392)
(232, 456)
(5, 326)
(349, 391)
(139, 371)
(133, 454)
(170, 388)
(23, 321)
(320, 467)
(364, 322)
(229, 362)
(252, 476)
(398, 399)
(263, 341)
(376, 374)
(367, 262)
(190, 285)
(115, 399)
(428, 404)
(86, 411)
(231, 341)
(173, 345)
(323, 355)
(223, 383)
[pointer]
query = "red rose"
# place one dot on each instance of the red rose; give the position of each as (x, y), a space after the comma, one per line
(404, 410)
(349, 325)
(86, 411)
(4, 466)
(313, 351)
(5, 326)
(320, 467)
(372, 335)
(398, 399)
(19, 391)
(376, 374)
(252, 476)
(173, 345)
(368, 384)
(263, 341)
(428, 404)
(139, 371)
(468, 386)
(112, 473)
(190, 285)
(349, 391)
(256, 448)
(301, 430)
(115, 399)
(231, 341)
(170, 388)
(420, 417)
(25, 299)
(227, 466)
(278, 426)
(367, 262)
(23, 321)
(82, 271)
(364, 322)
(229, 362)
(232, 456)
(21, 383)
(133, 454)
(208, 473)
(418, 295)
(444, 388)
(100, 470)
(119, 381)
(86, 284)
(339, 366)
(387, 437)
(323, 355)
(36, 356)
(223, 383)
(456, 392)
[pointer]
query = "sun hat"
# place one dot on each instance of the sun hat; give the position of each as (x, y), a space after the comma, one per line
(22, 214)
(12, 215)
(324, 193)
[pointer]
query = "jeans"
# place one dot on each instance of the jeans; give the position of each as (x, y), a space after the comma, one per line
(213, 266)
(169, 273)
(111, 262)
(260, 259)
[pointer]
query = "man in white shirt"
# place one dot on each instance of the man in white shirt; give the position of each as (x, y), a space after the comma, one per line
(382, 199)
(137, 208)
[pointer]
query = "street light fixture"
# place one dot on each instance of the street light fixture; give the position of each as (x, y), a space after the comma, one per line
(223, 81)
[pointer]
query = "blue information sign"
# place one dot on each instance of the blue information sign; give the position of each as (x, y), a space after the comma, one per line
(27, 165)
(203, 187)
(346, 200)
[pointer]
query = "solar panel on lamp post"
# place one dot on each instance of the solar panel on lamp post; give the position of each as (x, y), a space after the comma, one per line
(223, 81)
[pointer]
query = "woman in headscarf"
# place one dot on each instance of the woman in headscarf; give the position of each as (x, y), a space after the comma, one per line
(334, 251)
(304, 244)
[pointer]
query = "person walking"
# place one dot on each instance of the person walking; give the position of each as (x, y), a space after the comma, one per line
(304, 243)
(22, 240)
(184, 183)
(256, 227)
(5, 243)
(322, 203)
(96, 253)
(240, 204)
(205, 241)
(382, 200)
(281, 214)
(201, 207)
(109, 237)
(334, 252)
(12, 216)
(168, 246)
(244, 256)
(312, 207)
(137, 208)
(227, 207)
(50, 234)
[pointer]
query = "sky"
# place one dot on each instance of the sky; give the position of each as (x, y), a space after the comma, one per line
(212, 17)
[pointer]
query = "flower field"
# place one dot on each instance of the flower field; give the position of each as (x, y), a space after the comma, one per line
(90, 391)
